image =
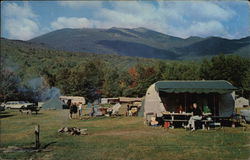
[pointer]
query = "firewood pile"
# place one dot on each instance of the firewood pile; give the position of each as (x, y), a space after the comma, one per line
(73, 131)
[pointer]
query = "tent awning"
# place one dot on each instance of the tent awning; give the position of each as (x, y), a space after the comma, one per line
(211, 86)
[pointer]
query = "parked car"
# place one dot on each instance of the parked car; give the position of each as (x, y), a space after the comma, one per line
(245, 113)
(17, 105)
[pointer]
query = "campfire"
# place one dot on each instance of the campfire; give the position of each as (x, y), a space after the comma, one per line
(73, 131)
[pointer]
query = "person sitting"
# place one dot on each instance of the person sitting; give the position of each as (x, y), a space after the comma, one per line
(206, 109)
(153, 121)
(179, 109)
(197, 115)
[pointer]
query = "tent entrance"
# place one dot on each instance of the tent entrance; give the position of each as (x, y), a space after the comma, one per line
(172, 101)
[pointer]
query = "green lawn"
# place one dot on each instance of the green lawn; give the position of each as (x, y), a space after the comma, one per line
(118, 138)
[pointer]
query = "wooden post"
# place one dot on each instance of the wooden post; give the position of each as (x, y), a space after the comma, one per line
(37, 132)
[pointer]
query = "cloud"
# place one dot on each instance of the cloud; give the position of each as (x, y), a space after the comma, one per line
(13, 10)
(80, 4)
(71, 22)
(21, 28)
(20, 21)
(198, 10)
(181, 19)
(202, 29)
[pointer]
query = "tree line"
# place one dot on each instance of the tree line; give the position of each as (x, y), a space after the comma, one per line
(95, 78)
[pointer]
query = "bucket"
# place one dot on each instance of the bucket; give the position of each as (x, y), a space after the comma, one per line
(166, 124)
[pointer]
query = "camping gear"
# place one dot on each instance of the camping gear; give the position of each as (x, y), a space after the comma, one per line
(241, 102)
(97, 112)
(148, 117)
(115, 108)
(245, 114)
(73, 99)
(153, 122)
(134, 111)
(103, 110)
(167, 124)
(206, 109)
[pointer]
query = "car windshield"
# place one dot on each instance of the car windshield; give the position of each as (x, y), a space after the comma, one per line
(21, 102)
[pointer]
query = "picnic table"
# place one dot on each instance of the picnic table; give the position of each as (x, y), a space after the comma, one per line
(184, 118)
(176, 116)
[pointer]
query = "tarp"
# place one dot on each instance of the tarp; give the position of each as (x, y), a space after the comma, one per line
(211, 86)
(241, 101)
(116, 108)
(53, 103)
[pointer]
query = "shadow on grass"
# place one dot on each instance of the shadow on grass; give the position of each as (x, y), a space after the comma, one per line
(33, 114)
(46, 145)
(93, 118)
(5, 115)
(4, 112)
(15, 149)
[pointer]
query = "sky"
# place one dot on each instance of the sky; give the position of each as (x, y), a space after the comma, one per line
(24, 20)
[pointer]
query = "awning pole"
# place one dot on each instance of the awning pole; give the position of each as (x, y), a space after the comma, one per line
(185, 102)
(214, 105)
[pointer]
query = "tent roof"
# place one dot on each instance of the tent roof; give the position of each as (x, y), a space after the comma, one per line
(211, 86)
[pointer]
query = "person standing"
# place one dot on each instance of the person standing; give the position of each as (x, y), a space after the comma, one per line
(197, 115)
(74, 109)
(70, 110)
(80, 106)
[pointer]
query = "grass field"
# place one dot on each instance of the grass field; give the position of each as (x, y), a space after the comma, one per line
(117, 138)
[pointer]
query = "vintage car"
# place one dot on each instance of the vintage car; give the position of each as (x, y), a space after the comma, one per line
(17, 105)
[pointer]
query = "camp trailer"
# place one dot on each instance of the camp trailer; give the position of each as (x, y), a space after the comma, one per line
(166, 96)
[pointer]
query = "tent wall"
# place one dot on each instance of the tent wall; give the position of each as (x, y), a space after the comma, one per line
(141, 111)
(226, 104)
(153, 102)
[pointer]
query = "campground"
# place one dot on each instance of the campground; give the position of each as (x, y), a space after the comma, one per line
(117, 138)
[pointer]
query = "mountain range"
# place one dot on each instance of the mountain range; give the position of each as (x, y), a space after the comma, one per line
(140, 42)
